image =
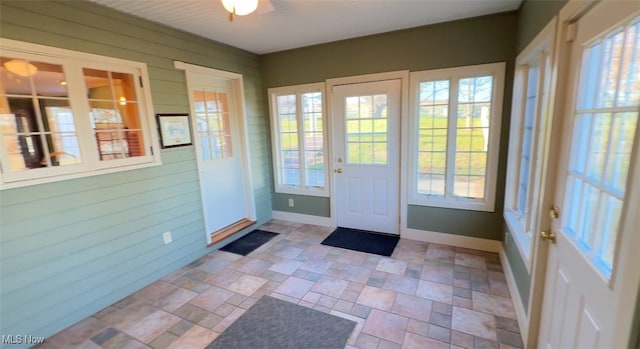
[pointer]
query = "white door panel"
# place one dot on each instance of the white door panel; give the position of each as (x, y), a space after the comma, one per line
(367, 136)
(219, 148)
(592, 270)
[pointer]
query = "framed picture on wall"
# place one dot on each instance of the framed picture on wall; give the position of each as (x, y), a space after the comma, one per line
(174, 130)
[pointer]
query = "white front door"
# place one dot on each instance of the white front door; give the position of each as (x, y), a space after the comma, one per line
(593, 270)
(366, 156)
(219, 149)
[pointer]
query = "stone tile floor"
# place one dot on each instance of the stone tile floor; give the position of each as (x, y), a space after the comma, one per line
(424, 296)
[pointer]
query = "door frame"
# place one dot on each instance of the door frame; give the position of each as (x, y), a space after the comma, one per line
(237, 85)
(561, 70)
(403, 76)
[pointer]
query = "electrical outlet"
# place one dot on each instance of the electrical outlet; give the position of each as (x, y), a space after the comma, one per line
(166, 237)
(290, 202)
(506, 239)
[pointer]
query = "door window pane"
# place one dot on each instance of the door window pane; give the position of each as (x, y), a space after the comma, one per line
(602, 141)
(366, 129)
(214, 129)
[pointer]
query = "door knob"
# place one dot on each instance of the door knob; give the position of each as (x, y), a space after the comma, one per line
(338, 170)
(546, 235)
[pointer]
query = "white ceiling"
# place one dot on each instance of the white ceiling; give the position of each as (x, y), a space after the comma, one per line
(287, 24)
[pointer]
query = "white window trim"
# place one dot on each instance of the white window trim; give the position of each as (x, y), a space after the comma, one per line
(90, 165)
(275, 138)
(497, 70)
(524, 227)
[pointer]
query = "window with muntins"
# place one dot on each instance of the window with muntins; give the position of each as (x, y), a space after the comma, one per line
(68, 114)
(604, 131)
(298, 131)
(455, 118)
(530, 124)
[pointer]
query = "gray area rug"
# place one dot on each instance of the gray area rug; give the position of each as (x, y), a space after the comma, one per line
(277, 324)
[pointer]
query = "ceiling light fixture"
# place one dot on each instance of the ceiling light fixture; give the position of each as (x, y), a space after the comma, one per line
(20, 67)
(239, 7)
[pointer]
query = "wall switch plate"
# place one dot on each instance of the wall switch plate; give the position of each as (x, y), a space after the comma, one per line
(290, 202)
(166, 237)
(506, 239)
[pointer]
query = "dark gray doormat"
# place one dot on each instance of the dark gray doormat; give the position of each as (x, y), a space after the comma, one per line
(248, 243)
(363, 241)
(276, 324)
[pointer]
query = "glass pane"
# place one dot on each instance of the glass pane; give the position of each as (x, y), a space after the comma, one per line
(291, 176)
(588, 75)
(98, 84)
(366, 129)
(213, 123)
(291, 167)
(37, 135)
(114, 114)
(49, 80)
(469, 187)
(609, 70)
(622, 134)
(580, 142)
(629, 92)
(313, 139)
(602, 143)
(380, 153)
(527, 139)
(598, 145)
(432, 136)
(588, 208)
(430, 184)
(572, 204)
(472, 136)
(612, 211)
(205, 145)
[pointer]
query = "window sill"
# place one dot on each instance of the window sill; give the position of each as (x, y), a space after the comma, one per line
(303, 191)
(59, 178)
(454, 204)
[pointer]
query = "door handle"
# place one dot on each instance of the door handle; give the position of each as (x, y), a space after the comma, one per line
(548, 235)
(338, 170)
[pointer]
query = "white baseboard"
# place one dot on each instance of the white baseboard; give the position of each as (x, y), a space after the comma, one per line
(303, 218)
(523, 320)
(451, 240)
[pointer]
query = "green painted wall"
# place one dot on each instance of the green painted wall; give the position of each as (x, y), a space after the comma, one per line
(518, 268)
(478, 40)
(311, 205)
(68, 249)
(533, 16)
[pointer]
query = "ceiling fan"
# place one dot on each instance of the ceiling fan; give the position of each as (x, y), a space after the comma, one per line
(245, 7)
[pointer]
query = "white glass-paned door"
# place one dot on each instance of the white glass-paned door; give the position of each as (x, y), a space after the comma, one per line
(604, 128)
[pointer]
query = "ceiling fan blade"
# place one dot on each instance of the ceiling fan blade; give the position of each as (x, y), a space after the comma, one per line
(264, 7)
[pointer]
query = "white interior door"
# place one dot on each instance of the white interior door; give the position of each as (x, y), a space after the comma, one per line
(366, 156)
(216, 125)
(592, 272)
